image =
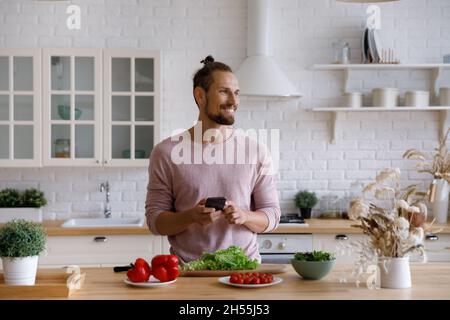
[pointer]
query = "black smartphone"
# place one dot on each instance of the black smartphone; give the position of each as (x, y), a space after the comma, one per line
(217, 203)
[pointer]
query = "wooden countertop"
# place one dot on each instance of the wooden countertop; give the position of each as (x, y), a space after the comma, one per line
(317, 226)
(429, 281)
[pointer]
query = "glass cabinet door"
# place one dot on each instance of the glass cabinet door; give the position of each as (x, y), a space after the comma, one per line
(132, 105)
(20, 122)
(72, 101)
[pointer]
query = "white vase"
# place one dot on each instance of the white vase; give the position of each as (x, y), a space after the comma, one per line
(394, 273)
(20, 271)
(440, 203)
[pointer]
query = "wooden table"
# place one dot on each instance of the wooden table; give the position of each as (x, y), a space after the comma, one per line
(430, 281)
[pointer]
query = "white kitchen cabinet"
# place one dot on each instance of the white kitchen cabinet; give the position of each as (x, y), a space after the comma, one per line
(331, 243)
(100, 107)
(20, 108)
(101, 250)
(435, 73)
(132, 106)
(437, 247)
(72, 122)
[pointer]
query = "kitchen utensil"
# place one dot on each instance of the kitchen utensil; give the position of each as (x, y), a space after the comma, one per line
(49, 283)
(377, 42)
(226, 280)
(372, 47)
(385, 97)
(262, 268)
(444, 96)
(62, 148)
(313, 270)
(417, 98)
(152, 282)
(64, 112)
(122, 268)
(364, 47)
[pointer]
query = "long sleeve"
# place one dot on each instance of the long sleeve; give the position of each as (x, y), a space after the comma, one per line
(159, 189)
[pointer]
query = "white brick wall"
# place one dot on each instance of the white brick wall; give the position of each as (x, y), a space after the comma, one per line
(303, 30)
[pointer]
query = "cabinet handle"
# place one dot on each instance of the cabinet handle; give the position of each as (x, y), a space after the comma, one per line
(100, 239)
(97, 161)
(105, 162)
(341, 237)
(431, 237)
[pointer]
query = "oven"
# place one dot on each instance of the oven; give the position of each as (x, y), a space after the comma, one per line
(280, 248)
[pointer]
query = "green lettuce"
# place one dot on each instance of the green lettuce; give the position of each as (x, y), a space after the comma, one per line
(233, 258)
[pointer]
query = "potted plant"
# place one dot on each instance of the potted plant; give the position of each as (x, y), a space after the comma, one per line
(394, 220)
(313, 265)
(21, 242)
(15, 204)
(439, 168)
(305, 201)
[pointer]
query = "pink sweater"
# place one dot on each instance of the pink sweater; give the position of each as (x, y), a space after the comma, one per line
(178, 187)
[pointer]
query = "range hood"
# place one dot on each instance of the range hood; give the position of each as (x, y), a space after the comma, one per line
(259, 74)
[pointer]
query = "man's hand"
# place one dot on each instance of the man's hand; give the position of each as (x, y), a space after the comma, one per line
(201, 214)
(233, 214)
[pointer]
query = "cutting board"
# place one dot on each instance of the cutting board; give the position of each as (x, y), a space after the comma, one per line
(264, 267)
(50, 283)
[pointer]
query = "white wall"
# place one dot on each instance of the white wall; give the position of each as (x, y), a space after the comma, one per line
(303, 30)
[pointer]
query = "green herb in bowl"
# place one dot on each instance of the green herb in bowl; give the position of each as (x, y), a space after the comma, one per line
(313, 265)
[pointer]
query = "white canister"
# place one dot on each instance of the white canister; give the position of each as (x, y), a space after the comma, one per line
(353, 99)
(417, 98)
(385, 97)
(444, 96)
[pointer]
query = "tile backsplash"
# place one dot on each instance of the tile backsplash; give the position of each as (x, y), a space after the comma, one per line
(303, 32)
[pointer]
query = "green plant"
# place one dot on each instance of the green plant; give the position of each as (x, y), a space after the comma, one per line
(21, 238)
(314, 256)
(305, 199)
(30, 198)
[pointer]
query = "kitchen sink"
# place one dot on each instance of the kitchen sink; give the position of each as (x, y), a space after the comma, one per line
(103, 222)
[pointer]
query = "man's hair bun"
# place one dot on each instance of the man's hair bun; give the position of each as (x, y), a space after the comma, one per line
(207, 60)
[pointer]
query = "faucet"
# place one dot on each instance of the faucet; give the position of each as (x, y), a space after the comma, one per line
(107, 209)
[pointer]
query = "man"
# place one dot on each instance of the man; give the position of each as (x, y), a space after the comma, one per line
(176, 192)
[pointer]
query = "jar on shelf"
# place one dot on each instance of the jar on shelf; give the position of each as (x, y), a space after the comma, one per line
(341, 51)
(62, 148)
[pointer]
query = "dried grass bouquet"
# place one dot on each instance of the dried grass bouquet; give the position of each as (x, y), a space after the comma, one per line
(439, 166)
(397, 226)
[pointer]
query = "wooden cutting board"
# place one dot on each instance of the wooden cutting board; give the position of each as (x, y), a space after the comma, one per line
(49, 283)
(266, 268)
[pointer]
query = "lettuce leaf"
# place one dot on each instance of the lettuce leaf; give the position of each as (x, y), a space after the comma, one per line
(232, 258)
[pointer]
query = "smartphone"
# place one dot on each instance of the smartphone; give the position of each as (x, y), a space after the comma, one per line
(217, 203)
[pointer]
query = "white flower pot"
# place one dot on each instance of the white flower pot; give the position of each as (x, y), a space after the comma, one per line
(394, 273)
(440, 203)
(20, 271)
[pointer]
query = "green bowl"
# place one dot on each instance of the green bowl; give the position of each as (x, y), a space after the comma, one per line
(313, 270)
(64, 112)
(138, 154)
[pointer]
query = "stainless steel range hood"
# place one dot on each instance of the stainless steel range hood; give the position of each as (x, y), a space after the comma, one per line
(259, 74)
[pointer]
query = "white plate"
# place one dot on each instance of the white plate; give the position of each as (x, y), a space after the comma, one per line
(152, 282)
(226, 280)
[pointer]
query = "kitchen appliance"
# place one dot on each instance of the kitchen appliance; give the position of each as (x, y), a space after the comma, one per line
(279, 247)
(259, 74)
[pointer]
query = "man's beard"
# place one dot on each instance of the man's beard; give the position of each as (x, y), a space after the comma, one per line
(219, 119)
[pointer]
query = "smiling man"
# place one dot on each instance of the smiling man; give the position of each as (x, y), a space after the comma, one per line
(176, 192)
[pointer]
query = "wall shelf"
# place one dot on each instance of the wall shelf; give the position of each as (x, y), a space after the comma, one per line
(435, 72)
(444, 111)
(434, 68)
